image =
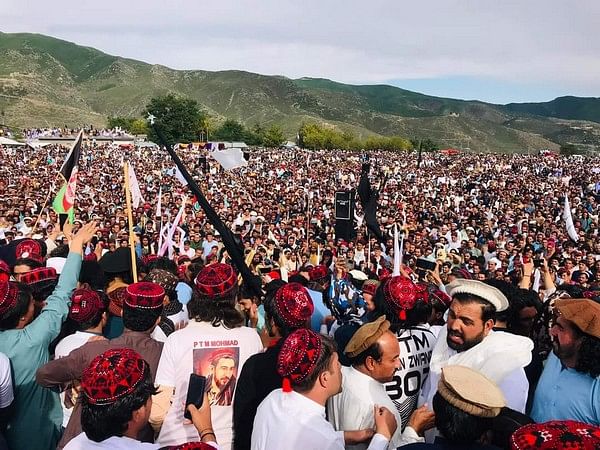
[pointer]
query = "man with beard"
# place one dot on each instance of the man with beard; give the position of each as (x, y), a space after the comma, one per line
(220, 382)
(214, 344)
(468, 340)
(569, 387)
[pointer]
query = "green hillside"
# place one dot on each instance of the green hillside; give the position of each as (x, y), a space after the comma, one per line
(562, 107)
(46, 81)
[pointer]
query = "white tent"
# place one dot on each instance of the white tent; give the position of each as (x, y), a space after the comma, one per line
(7, 141)
(39, 144)
(146, 144)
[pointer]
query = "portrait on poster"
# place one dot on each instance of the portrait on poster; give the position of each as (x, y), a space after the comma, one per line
(220, 367)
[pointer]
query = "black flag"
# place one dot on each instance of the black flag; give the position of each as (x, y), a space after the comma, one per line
(368, 200)
(229, 240)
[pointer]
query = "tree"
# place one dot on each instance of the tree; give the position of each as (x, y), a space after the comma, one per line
(255, 136)
(231, 130)
(273, 137)
(427, 145)
(569, 149)
(179, 118)
(119, 122)
(207, 127)
(138, 126)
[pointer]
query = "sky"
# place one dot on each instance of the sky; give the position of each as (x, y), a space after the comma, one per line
(495, 51)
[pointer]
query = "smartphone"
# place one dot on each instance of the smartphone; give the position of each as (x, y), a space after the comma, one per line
(425, 264)
(265, 270)
(62, 219)
(195, 393)
(538, 262)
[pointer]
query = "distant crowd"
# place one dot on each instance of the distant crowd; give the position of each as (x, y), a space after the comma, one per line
(478, 328)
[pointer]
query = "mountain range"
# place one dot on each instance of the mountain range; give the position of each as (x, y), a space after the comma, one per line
(46, 81)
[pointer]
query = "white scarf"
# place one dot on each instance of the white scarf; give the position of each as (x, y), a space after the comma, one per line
(496, 356)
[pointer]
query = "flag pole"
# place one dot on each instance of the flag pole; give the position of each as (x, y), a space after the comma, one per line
(37, 220)
(130, 220)
(308, 216)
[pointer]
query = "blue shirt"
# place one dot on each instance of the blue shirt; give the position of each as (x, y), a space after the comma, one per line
(184, 293)
(37, 415)
(320, 310)
(563, 393)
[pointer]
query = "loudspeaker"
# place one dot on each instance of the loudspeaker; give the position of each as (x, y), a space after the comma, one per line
(343, 206)
(344, 215)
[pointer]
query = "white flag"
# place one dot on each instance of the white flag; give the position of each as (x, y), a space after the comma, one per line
(230, 158)
(180, 176)
(397, 260)
(569, 221)
(134, 187)
(169, 241)
(158, 205)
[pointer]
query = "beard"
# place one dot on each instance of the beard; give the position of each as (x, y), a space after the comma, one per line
(465, 343)
(222, 382)
(563, 352)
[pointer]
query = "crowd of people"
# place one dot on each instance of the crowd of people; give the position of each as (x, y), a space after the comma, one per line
(477, 325)
(66, 132)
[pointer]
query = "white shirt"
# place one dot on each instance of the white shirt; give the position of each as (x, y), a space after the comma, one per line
(500, 356)
(81, 442)
(189, 350)
(6, 388)
(352, 409)
(72, 342)
(291, 421)
(63, 348)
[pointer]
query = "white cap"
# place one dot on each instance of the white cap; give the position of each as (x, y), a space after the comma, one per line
(479, 289)
(57, 263)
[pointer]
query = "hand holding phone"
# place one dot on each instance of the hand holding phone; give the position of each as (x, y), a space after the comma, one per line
(195, 393)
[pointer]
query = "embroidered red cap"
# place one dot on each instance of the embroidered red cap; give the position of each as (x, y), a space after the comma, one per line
(318, 273)
(218, 354)
(39, 275)
(370, 287)
(9, 292)
(401, 294)
(299, 354)
(144, 295)
(30, 249)
(85, 304)
(293, 304)
(112, 375)
(4, 268)
(4, 271)
(216, 281)
(556, 435)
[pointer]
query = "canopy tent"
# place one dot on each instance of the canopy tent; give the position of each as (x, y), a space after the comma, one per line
(146, 144)
(7, 141)
(38, 144)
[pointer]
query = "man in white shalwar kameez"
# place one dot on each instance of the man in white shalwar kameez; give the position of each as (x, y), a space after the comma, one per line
(468, 340)
(375, 355)
(293, 418)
